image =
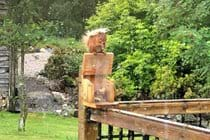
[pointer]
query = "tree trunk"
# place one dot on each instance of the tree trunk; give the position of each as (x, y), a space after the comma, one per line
(22, 95)
(12, 78)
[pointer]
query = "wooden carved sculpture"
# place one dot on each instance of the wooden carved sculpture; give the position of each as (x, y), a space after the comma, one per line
(95, 68)
(95, 86)
(95, 40)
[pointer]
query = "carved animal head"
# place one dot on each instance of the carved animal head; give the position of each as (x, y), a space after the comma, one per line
(96, 40)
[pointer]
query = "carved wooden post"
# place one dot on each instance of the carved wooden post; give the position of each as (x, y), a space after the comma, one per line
(94, 88)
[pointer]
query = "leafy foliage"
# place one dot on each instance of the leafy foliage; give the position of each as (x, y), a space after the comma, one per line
(14, 35)
(161, 47)
(66, 60)
(68, 16)
(19, 37)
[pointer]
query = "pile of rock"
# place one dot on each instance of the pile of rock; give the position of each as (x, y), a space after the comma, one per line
(47, 96)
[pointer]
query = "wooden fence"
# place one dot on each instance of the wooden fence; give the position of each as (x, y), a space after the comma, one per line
(137, 117)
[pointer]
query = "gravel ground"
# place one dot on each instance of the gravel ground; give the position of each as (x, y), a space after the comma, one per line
(40, 95)
(34, 63)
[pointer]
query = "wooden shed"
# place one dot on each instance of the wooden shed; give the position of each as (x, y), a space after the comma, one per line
(3, 8)
(7, 68)
(4, 59)
(4, 71)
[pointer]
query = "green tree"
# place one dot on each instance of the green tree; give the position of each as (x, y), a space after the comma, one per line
(69, 16)
(161, 47)
(65, 62)
(20, 37)
(188, 23)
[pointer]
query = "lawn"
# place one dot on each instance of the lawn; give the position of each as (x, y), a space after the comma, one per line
(40, 126)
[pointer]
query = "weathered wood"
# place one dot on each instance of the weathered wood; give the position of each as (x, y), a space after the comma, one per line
(4, 67)
(2, 2)
(4, 58)
(3, 7)
(103, 105)
(3, 48)
(160, 107)
(4, 70)
(2, 85)
(4, 76)
(4, 81)
(4, 89)
(2, 12)
(150, 125)
(4, 63)
(124, 114)
(4, 53)
(95, 68)
(191, 106)
(87, 130)
(98, 64)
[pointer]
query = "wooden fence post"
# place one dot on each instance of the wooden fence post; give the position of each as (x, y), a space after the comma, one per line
(87, 129)
(94, 88)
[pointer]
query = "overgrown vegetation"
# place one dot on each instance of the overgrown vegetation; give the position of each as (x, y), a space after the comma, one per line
(68, 16)
(161, 48)
(19, 37)
(62, 23)
(164, 54)
(65, 62)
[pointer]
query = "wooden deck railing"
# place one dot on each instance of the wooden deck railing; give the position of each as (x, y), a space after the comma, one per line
(138, 117)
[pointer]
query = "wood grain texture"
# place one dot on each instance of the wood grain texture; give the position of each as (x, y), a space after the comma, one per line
(97, 64)
(150, 125)
(161, 107)
(95, 86)
(87, 130)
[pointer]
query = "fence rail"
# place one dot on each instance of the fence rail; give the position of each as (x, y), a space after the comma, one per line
(137, 117)
(149, 125)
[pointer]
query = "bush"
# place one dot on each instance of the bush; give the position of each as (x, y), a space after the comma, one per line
(65, 62)
(155, 55)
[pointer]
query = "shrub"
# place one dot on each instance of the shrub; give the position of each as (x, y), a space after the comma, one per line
(65, 62)
(155, 55)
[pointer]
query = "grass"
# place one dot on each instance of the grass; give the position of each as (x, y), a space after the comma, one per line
(42, 126)
(39, 126)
